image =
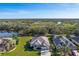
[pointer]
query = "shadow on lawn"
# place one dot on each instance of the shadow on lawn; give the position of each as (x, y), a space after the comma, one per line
(27, 47)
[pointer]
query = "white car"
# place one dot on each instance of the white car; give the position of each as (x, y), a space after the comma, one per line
(45, 53)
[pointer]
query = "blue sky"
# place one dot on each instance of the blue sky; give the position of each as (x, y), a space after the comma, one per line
(39, 10)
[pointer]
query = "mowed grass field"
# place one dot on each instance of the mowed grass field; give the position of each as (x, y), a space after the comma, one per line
(20, 50)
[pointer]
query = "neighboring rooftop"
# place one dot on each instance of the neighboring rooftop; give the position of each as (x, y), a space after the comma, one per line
(62, 40)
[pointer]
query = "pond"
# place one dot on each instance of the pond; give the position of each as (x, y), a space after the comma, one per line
(8, 34)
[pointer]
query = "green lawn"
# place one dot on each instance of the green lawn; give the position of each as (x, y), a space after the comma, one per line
(20, 50)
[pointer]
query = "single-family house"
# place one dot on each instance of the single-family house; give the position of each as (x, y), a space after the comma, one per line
(40, 42)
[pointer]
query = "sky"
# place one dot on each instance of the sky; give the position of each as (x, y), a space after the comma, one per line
(39, 10)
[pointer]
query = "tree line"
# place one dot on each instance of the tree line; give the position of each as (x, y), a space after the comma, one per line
(25, 27)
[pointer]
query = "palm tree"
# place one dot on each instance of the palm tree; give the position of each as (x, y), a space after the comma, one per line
(56, 51)
(65, 49)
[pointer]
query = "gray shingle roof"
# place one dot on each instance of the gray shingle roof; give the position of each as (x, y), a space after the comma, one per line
(40, 41)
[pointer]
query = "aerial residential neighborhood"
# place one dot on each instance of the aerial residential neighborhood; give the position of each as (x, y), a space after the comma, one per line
(44, 38)
(38, 29)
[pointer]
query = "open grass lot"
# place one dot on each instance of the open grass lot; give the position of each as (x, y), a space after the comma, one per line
(20, 50)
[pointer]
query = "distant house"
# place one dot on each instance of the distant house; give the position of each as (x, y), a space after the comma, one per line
(59, 23)
(40, 42)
